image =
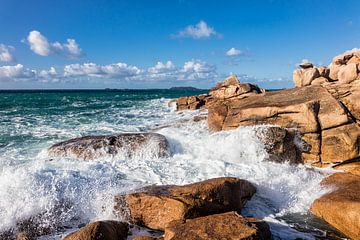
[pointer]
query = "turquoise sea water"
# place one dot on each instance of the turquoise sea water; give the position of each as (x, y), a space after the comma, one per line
(68, 192)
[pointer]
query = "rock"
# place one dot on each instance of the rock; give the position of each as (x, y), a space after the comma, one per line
(308, 110)
(324, 72)
(348, 73)
(101, 230)
(279, 143)
(147, 238)
(219, 226)
(129, 144)
(231, 87)
(341, 207)
(191, 102)
(157, 206)
(348, 95)
(351, 167)
(342, 59)
(319, 81)
(304, 109)
(306, 65)
(341, 143)
(333, 71)
(304, 77)
(23, 236)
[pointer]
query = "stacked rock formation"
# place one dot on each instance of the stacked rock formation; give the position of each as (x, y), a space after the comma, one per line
(344, 68)
(323, 110)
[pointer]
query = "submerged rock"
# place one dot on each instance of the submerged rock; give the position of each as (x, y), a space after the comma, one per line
(157, 206)
(128, 144)
(219, 226)
(341, 207)
(101, 230)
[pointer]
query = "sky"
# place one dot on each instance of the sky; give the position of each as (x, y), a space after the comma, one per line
(83, 44)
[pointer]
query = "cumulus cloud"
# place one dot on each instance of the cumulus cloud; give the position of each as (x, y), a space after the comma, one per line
(162, 67)
(16, 73)
(233, 52)
(40, 45)
(198, 31)
(192, 70)
(5, 53)
(94, 70)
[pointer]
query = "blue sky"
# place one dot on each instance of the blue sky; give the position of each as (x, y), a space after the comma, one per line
(158, 44)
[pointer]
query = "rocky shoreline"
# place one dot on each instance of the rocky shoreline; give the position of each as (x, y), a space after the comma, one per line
(316, 123)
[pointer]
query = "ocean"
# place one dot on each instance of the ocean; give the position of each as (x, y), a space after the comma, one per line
(69, 192)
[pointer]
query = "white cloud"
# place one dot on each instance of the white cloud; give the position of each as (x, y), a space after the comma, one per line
(162, 67)
(73, 48)
(16, 72)
(107, 71)
(5, 53)
(190, 71)
(51, 73)
(196, 69)
(162, 71)
(233, 52)
(198, 31)
(40, 45)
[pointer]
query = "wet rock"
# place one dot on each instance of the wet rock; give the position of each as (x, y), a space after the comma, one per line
(308, 110)
(147, 238)
(190, 102)
(157, 206)
(350, 167)
(341, 207)
(128, 144)
(101, 230)
(219, 226)
(280, 144)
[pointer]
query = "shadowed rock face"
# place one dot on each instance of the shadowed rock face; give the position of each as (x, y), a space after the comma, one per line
(220, 226)
(101, 230)
(341, 207)
(128, 144)
(157, 206)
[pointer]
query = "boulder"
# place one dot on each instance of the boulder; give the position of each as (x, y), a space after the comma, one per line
(219, 226)
(324, 72)
(128, 144)
(312, 111)
(348, 95)
(279, 143)
(350, 167)
(341, 143)
(348, 73)
(306, 65)
(157, 206)
(333, 71)
(190, 102)
(341, 207)
(101, 230)
(231, 87)
(306, 109)
(304, 77)
(319, 81)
